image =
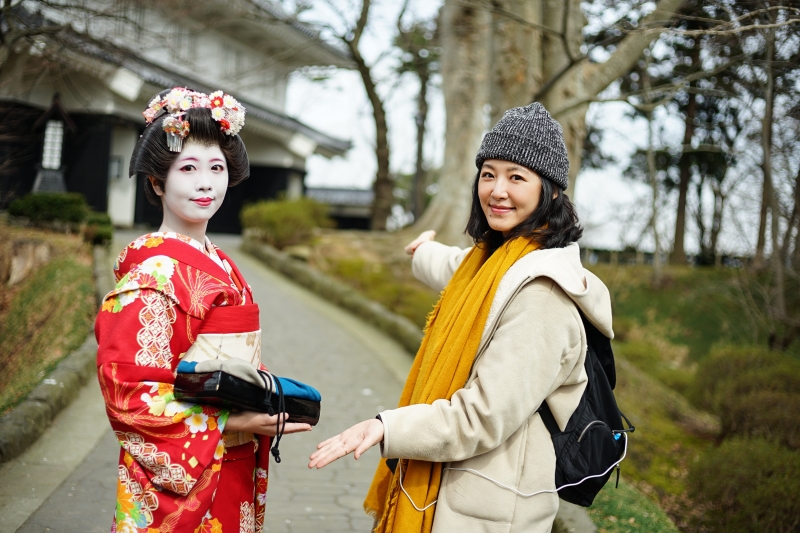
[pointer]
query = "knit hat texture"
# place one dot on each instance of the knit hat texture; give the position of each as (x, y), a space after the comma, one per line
(528, 136)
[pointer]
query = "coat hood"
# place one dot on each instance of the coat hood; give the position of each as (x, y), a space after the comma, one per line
(563, 266)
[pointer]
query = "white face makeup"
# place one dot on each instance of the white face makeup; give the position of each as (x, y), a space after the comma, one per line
(509, 193)
(195, 188)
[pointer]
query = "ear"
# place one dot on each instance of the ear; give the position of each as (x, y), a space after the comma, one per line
(156, 187)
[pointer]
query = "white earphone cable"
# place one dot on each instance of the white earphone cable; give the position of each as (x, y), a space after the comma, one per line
(400, 466)
(515, 491)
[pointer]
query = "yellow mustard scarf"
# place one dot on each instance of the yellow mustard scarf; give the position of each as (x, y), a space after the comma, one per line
(441, 367)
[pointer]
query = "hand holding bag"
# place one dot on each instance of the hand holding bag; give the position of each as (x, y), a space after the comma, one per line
(236, 384)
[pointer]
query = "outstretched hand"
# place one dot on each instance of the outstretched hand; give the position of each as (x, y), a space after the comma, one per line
(425, 236)
(262, 423)
(357, 439)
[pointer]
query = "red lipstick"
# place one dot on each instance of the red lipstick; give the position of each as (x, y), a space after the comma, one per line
(203, 202)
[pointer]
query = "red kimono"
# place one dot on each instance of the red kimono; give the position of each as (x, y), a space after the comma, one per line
(179, 471)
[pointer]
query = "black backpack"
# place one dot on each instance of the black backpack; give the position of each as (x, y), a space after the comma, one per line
(595, 441)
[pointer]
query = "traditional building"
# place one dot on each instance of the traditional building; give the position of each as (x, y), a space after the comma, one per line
(72, 94)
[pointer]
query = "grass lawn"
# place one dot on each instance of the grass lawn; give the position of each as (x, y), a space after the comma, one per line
(625, 509)
(46, 316)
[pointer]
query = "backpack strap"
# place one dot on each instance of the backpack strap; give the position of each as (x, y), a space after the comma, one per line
(548, 419)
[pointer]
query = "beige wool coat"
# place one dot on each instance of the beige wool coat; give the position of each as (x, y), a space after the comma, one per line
(532, 349)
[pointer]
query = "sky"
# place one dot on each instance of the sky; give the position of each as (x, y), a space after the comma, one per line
(613, 209)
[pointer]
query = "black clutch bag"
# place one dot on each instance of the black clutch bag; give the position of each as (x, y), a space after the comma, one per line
(302, 402)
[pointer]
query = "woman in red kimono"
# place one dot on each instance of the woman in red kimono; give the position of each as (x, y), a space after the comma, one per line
(183, 467)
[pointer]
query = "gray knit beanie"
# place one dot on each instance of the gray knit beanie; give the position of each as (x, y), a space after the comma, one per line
(528, 136)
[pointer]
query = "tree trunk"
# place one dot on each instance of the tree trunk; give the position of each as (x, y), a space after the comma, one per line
(766, 193)
(465, 30)
(768, 197)
(703, 254)
(678, 255)
(383, 187)
(418, 187)
(651, 171)
(516, 65)
(796, 253)
(716, 223)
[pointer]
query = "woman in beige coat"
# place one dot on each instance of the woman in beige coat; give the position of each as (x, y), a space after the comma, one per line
(506, 335)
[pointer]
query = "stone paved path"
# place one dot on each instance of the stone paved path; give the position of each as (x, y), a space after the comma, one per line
(358, 370)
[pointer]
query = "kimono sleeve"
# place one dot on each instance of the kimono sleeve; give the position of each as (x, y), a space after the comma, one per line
(173, 442)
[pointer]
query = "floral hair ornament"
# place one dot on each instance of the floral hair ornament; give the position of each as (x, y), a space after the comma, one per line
(225, 109)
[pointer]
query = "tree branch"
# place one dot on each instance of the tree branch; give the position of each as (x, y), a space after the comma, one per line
(599, 76)
(358, 31)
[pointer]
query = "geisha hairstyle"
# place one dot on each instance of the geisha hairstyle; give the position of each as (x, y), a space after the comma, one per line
(152, 155)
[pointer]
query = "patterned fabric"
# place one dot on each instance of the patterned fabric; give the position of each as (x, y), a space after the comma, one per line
(173, 456)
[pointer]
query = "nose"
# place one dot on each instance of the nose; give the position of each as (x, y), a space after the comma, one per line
(204, 182)
(499, 191)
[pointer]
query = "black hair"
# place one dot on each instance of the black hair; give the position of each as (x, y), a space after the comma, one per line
(152, 158)
(553, 224)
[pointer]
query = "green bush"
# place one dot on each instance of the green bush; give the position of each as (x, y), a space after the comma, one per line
(47, 207)
(747, 485)
(99, 219)
(754, 391)
(283, 223)
(99, 229)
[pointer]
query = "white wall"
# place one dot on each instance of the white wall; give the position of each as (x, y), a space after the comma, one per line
(121, 188)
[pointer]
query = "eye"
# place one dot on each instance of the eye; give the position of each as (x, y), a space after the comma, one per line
(517, 177)
(218, 168)
(487, 175)
(187, 168)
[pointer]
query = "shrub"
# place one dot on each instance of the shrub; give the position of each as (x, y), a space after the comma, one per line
(748, 485)
(99, 229)
(283, 223)
(47, 207)
(755, 392)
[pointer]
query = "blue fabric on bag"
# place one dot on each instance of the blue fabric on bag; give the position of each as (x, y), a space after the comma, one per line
(296, 389)
(186, 367)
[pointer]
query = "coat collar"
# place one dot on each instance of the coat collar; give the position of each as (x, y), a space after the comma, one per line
(563, 266)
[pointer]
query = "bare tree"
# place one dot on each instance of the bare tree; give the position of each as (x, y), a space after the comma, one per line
(419, 43)
(351, 37)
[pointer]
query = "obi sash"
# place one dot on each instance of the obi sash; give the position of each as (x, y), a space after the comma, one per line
(229, 332)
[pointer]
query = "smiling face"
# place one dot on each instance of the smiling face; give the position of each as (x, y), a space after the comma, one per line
(509, 193)
(195, 188)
